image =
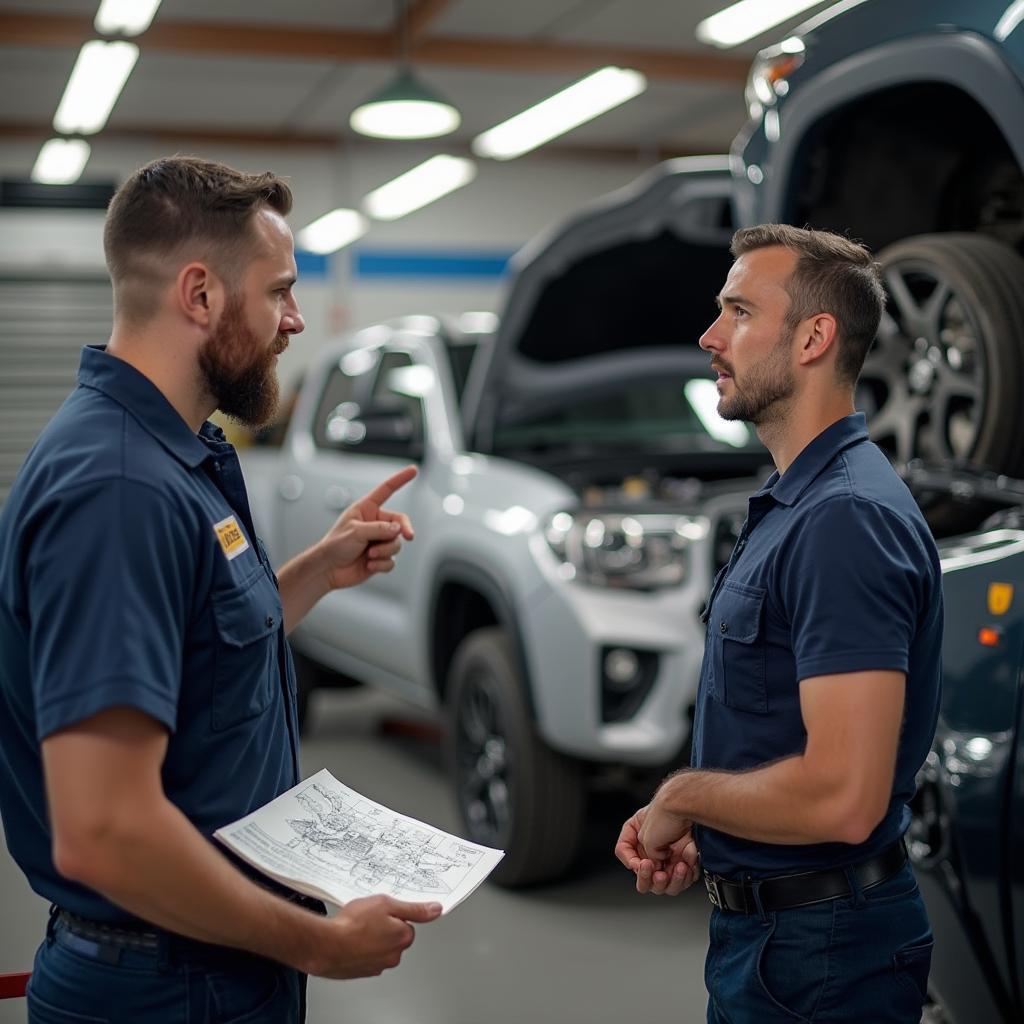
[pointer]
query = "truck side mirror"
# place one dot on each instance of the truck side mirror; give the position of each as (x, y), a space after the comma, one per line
(384, 428)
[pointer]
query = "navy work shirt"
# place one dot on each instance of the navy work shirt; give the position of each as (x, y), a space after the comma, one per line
(835, 571)
(130, 576)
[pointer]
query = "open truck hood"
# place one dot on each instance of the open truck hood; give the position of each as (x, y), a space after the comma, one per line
(621, 291)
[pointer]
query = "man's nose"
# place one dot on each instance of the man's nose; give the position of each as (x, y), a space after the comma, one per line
(292, 322)
(709, 339)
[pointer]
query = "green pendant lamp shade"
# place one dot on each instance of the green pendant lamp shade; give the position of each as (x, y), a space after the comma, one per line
(405, 109)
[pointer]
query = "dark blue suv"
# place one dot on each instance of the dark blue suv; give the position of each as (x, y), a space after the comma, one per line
(901, 123)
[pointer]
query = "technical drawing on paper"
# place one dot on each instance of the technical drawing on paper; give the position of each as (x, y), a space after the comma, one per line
(376, 851)
(327, 840)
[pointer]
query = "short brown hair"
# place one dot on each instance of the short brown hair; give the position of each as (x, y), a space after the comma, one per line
(832, 275)
(182, 206)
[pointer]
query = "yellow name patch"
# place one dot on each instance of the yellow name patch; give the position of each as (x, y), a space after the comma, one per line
(1000, 597)
(232, 540)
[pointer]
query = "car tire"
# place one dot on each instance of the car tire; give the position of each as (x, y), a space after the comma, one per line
(513, 791)
(942, 380)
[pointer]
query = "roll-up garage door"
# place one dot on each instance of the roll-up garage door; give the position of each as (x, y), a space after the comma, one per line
(43, 326)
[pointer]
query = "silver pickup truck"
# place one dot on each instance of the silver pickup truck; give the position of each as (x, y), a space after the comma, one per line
(570, 461)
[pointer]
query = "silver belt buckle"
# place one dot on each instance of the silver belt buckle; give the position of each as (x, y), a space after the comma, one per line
(711, 884)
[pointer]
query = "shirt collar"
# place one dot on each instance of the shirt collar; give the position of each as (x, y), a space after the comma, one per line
(812, 461)
(128, 387)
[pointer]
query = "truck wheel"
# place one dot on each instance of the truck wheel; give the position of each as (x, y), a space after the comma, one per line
(942, 380)
(513, 791)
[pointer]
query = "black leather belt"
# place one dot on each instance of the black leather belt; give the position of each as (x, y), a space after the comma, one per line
(123, 936)
(784, 892)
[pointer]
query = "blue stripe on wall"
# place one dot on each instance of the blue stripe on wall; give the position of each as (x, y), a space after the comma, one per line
(429, 263)
(311, 264)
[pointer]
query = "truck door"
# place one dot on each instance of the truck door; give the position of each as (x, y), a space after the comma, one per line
(366, 428)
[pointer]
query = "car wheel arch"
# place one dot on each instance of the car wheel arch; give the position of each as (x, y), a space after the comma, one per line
(456, 581)
(967, 62)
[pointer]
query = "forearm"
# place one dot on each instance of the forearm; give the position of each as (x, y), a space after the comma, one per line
(302, 582)
(156, 865)
(785, 802)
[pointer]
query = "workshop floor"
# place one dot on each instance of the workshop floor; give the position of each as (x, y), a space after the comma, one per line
(587, 950)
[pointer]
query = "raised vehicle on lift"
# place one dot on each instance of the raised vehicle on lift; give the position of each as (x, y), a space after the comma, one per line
(902, 124)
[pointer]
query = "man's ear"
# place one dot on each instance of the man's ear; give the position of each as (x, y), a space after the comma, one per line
(199, 294)
(818, 337)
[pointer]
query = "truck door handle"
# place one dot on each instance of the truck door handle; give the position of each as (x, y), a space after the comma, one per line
(337, 498)
(291, 487)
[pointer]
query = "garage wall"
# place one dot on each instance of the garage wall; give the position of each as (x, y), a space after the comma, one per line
(504, 207)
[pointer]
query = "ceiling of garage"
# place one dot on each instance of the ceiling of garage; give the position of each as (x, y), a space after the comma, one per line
(290, 74)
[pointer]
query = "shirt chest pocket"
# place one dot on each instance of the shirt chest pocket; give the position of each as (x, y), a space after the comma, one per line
(246, 674)
(738, 643)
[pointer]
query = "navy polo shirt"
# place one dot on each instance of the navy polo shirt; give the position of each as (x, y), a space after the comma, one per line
(835, 570)
(130, 576)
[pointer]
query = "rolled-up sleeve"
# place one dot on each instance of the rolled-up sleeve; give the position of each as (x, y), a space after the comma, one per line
(108, 584)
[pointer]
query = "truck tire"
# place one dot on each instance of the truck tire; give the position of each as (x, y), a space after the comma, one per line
(942, 380)
(513, 791)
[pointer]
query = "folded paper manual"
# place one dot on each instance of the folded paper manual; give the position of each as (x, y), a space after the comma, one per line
(326, 840)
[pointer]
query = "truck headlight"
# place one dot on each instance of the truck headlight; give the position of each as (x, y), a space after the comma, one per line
(637, 551)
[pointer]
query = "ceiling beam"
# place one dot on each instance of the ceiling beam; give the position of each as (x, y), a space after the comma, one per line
(421, 15)
(241, 39)
(181, 133)
(533, 56)
(38, 131)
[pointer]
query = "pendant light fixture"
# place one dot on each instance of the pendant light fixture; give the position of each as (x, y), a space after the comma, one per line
(405, 109)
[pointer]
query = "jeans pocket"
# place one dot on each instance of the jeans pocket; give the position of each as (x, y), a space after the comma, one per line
(793, 962)
(912, 964)
(250, 997)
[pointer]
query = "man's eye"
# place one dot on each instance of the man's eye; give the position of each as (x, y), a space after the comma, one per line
(740, 311)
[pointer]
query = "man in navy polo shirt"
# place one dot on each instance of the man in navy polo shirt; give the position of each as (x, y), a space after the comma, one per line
(147, 695)
(819, 689)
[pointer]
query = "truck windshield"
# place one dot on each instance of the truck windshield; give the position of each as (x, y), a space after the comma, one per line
(666, 413)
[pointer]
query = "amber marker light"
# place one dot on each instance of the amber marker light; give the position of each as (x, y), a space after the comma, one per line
(988, 637)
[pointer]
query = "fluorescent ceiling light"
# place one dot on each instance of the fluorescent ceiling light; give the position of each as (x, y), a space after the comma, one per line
(125, 17)
(747, 19)
(61, 161)
(333, 231)
(423, 184)
(96, 81)
(588, 98)
(406, 109)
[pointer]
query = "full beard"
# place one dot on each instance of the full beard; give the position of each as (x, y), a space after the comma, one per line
(766, 386)
(244, 385)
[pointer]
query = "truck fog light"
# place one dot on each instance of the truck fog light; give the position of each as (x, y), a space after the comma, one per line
(622, 668)
(627, 677)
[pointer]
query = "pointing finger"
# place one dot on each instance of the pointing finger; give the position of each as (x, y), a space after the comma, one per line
(394, 483)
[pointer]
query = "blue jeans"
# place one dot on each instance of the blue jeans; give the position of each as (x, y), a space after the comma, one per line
(76, 981)
(861, 959)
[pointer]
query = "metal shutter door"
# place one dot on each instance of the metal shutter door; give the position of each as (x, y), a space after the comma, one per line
(43, 326)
